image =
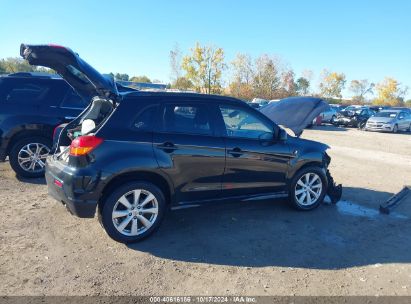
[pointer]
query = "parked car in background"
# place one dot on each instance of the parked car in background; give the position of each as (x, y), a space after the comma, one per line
(261, 102)
(377, 109)
(390, 121)
(329, 116)
(337, 107)
(31, 106)
(136, 154)
(408, 110)
(353, 116)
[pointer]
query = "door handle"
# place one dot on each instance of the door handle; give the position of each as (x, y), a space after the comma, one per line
(70, 117)
(168, 147)
(236, 152)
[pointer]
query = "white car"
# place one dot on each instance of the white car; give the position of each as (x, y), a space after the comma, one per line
(389, 121)
(329, 115)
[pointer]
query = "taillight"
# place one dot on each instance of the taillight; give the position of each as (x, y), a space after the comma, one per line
(84, 144)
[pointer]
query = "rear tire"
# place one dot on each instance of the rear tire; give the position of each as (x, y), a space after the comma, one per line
(133, 212)
(308, 188)
(28, 156)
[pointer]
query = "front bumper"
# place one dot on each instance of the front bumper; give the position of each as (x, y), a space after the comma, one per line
(379, 127)
(76, 189)
(346, 121)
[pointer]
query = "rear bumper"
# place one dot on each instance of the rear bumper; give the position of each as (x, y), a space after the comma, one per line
(74, 188)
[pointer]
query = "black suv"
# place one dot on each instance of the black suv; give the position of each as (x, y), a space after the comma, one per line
(31, 106)
(133, 155)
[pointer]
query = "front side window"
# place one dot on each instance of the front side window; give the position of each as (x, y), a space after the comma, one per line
(242, 123)
(190, 119)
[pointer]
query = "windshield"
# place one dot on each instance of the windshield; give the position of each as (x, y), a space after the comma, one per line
(353, 109)
(387, 114)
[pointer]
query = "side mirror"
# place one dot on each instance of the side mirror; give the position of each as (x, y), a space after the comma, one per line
(282, 135)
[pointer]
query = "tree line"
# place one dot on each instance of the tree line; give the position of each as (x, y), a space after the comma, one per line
(268, 77)
(204, 69)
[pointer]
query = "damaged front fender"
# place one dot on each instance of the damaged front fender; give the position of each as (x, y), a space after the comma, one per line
(334, 191)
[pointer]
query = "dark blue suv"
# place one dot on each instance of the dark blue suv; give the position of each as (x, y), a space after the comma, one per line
(133, 155)
(31, 106)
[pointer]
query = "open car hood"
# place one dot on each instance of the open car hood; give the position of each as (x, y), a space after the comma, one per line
(84, 79)
(295, 113)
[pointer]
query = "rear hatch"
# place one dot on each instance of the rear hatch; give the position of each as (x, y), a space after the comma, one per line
(79, 74)
(99, 90)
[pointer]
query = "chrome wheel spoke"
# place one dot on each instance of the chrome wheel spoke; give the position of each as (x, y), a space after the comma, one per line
(124, 223)
(298, 192)
(316, 195)
(300, 183)
(150, 210)
(32, 165)
(144, 221)
(137, 196)
(307, 179)
(134, 227)
(40, 163)
(148, 199)
(302, 198)
(315, 178)
(120, 213)
(124, 201)
(309, 200)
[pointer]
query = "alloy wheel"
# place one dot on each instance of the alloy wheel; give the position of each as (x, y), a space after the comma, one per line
(135, 212)
(308, 189)
(32, 157)
(395, 129)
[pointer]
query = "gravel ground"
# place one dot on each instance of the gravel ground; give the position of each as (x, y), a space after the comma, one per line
(247, 248)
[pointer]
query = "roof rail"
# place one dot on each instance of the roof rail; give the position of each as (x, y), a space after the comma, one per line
(34, 74)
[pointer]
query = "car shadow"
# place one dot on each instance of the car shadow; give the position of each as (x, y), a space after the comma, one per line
(270, 233)
(329, 128)
(34, 181)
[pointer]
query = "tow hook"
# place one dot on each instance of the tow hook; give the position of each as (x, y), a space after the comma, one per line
(334, 191)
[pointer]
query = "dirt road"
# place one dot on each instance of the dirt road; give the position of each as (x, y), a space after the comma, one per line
(248, 248)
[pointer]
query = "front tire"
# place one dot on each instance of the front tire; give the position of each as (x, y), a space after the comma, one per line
(395, 129)
(28, 156)
(308, 188)
(133, 212)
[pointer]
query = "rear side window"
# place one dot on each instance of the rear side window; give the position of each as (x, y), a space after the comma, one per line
(26, 92)
(145, 119)
(186, 118)
(73, 101)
